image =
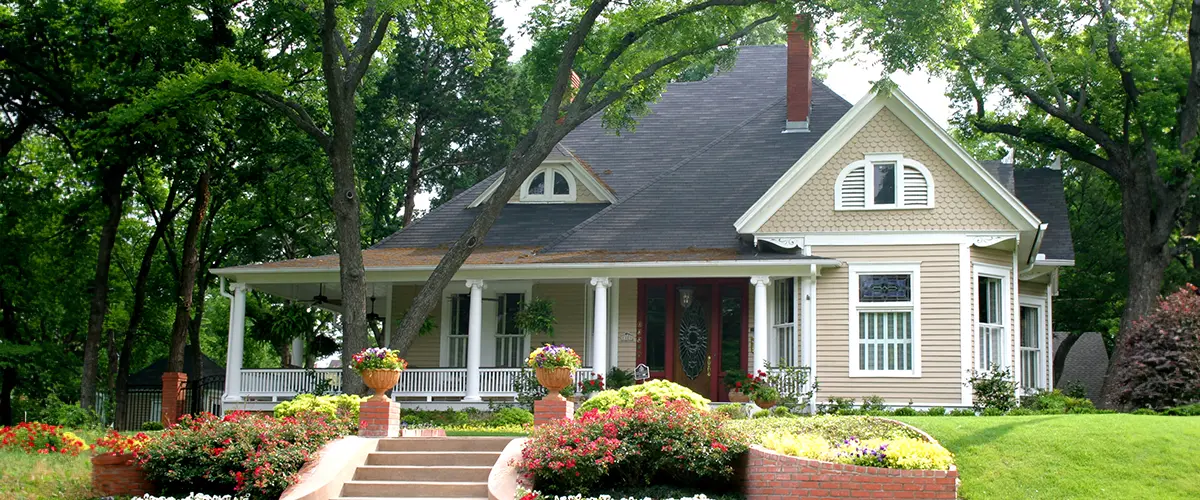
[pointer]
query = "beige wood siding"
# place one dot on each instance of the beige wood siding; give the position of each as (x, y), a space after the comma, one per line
(425, 350)
(1038, 288)
(957, 206)
(995, 257)
(1033, 288)
(627, 322)
(940, 328)
(570, 328)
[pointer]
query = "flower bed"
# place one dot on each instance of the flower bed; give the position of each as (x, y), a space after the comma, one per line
(241, 454)
(36, 437)
(650, 443)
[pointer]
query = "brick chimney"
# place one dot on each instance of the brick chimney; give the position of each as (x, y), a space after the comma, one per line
(799, 76)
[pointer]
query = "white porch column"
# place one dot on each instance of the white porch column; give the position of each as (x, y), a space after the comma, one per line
(233, 351)
(298, 351)
(474, 339)
(600, 326)
(760, 322)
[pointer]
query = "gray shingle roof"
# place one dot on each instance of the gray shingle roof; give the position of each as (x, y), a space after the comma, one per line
(706, 152)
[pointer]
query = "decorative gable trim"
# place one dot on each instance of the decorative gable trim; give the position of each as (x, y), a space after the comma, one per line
(921, 124)
(562, 158)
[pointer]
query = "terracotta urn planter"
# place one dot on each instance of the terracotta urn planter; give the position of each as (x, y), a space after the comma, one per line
(764, 404)
(554, 380)
(380, 381)
(736, 396)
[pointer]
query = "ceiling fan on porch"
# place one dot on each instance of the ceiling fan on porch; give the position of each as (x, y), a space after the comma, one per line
(320, 297)
(371, 316)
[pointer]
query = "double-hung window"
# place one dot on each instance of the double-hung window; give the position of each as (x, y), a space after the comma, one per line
(1032, 345)
(990, 296)
(460, 315)
(885, 319)
(783, 324)
(510, 340)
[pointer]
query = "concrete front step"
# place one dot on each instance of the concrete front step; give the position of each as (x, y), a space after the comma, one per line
(477, 473)
(495, 444)
(455, 458)
(414, 489)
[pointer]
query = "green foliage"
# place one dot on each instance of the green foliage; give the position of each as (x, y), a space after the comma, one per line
(536, 316)
(873, 403)
(1020, 412)
(935, 411)
(907, 411)
(792, 382)
(1163, 366)
(659, 392)
(994, 389)
(829, 427)
(618, 378)
(1145, 411)
(342, 407)
(838, 406)
(962, 412)
(152, 426)
(511, 416)
(1076, 389)
(1192, 410)
(992, 412)
(734, 411)
(1048, 402)
(70, 416)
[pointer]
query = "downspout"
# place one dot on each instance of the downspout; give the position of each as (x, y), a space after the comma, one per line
(1037, 245)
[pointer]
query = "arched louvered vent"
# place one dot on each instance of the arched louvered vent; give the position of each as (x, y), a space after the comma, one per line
(852, 189)
(873, 184)
(916, 187)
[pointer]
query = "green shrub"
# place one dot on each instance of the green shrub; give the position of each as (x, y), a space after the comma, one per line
(435, 418)
(618, 378)
(830, 427)
(962, 412)
(896, 453)
(659, 391)
(1145, 411)
(511, 416)
(56, 412)
(152, 426)
(850, 412)
(1076, 389)
(992, 412)
(873, 402)
(1020, 412)
(994, 389)
(734, 411)
(935, 411)
(906, 411)
(782, 411)
(837, 405)
(1192, 410)
(1057, 402)
(341, 407)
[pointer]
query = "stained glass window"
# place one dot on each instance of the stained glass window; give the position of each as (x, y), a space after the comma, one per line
(885, 288)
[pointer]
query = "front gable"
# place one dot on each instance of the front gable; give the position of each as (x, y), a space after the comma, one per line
(953, 204)
(964, 197)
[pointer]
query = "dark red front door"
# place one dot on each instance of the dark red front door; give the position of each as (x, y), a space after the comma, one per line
(692, 331)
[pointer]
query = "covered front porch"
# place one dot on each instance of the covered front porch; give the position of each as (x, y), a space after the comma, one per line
(684, 321)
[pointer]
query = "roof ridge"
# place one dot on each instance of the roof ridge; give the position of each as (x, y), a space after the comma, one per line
(663, 175)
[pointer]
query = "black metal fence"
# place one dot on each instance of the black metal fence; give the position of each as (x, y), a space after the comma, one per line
(204, 394)
(144, 402)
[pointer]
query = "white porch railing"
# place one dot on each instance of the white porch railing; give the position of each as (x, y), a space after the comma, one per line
(414, 382)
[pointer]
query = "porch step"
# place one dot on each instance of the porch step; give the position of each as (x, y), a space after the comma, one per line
(495, 444)
(438, 468)
(472, 473)
(415, 489)
(461, 458)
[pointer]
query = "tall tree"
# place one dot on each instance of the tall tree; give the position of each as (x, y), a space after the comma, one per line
(1115, 86)
(624, 55)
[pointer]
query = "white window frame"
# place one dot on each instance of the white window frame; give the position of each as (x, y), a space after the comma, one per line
(1040, 378)
(548, 195)
(1004, 275)
(778, 330)
(913, 306)
(868, 163)
(445, 355)
(488, 318)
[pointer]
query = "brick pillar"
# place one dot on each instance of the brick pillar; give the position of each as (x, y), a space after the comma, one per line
(173, 403)
(547, 410)
(378, 419)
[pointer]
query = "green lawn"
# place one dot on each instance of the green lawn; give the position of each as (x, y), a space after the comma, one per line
(1072, 456)
(24, 476)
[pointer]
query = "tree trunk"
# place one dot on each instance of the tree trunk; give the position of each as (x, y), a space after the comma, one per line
(9, 374)
(114, 177)
(194, 325)
(349, 238)
(110, 348)
(1147, 253)
(187, 276)
(412, 183)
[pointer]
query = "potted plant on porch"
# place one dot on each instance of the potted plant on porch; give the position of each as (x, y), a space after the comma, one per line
(554, 366)
(738, 383)
(591, 386)
(760, 391)
(379, 368)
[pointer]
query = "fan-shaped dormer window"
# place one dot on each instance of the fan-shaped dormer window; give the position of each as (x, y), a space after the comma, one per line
(883, 182)
(549, 184)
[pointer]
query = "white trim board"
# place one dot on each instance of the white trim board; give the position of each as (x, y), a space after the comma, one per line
(913, 305)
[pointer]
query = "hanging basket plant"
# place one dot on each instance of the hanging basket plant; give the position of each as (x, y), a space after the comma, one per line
(537, 317)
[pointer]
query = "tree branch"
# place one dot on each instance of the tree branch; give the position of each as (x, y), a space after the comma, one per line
(567, 64)
(1189, 116)
(1046, 139)
(1041, 54)
(367, 44)
(291, 109)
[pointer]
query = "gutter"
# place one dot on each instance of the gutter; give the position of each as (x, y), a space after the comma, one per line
(820, 262)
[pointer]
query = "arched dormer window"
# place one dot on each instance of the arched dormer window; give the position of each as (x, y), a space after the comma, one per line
(549, 184)
(884, 182)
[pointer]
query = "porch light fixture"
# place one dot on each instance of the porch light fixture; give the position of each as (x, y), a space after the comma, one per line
(686, 294)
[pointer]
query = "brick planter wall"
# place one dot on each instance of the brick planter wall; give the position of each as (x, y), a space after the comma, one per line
(547, 410)
(119, 475)
(378, 419)
(774, 476)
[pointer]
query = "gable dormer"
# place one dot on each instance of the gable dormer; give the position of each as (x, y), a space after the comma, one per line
(884, 182)
(561, 178)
